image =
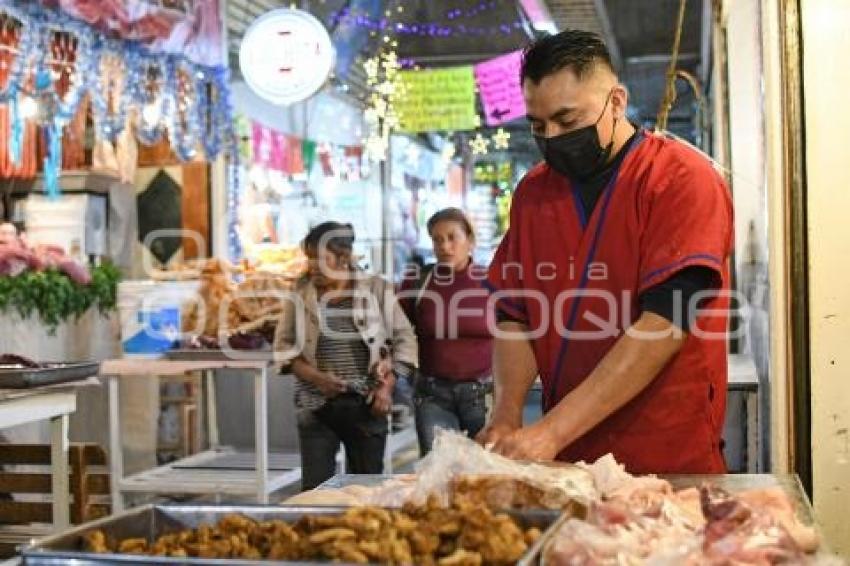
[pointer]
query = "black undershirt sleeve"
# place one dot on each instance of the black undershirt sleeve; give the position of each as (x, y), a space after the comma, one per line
(671, 298)
(668, 298)
(502, 316)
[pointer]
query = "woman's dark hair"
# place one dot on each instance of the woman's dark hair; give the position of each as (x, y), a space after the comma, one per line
(334, 236)
(577, 49)
(452, 215)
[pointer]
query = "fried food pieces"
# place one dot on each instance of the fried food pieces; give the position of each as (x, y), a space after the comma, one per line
(462, 535)
(224, 307)
(500, 491)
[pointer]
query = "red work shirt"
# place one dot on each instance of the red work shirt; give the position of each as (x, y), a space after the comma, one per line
(451, 323)
(577, 280)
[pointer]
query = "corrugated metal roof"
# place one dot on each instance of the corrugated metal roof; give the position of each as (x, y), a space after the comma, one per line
(575, 14)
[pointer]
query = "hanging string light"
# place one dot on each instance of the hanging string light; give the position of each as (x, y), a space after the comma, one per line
(455, 28)
(382, 76)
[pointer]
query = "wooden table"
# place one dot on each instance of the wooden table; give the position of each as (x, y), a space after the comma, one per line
(53, 403)
(207, 472)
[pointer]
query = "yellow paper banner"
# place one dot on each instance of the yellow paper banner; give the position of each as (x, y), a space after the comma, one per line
(437, 100)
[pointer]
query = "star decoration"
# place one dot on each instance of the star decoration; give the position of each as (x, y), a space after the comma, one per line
(479, 145)
(384, 80)
(392, 120)
(371, 68)
(386, 88)
(391, 62)
(501, 139)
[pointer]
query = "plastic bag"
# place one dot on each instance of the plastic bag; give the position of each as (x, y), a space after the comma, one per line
(453, 454)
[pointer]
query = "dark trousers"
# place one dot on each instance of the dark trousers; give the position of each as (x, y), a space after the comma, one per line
(347, 419)
(453, 405)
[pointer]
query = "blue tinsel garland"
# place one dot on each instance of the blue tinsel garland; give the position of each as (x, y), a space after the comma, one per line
(28, 38)
(184, 128)
(206, 119)
(53, 160)
(109, 124)
(234, 245)
(138, 69)
(9, 95)
(66, 106)
(16, 133)
(211, 84)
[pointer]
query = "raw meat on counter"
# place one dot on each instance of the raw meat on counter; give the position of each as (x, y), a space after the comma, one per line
(19, 361)
(610, 516)
(642, 520)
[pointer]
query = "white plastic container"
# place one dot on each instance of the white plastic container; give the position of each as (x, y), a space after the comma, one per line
(150, 313)
(75, 222)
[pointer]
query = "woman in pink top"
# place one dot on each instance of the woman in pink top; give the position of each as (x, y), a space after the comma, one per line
(447, 305)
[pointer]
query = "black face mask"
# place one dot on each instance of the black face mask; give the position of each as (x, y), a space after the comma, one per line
(577, 154)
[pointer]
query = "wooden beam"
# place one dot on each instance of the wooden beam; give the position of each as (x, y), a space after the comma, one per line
(39, 454)
(96, 484)
(22, 512)
(79, 489)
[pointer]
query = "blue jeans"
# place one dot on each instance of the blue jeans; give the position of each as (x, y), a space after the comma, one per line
(453, 405)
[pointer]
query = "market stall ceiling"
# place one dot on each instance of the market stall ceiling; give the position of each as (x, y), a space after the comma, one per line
(426, 51)
(639, 31)
(641, 34)
(456, 49)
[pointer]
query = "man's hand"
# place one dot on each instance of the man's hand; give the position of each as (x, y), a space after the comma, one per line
(535, 442)
(514, 370)
(329, 384)
(494, 432)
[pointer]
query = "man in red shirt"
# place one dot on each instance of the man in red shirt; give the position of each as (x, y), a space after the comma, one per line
(612, 281)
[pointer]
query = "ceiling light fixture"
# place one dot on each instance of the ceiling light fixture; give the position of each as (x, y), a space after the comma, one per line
(538, 14)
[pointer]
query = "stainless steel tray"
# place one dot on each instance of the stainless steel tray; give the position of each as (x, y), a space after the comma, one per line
(15, 376)
(152, 521)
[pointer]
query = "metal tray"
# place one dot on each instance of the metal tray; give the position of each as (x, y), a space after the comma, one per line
(152, 521)
(216, 355)
(19, 377)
